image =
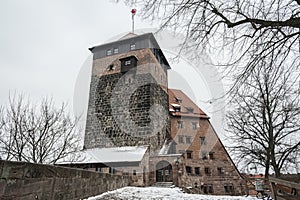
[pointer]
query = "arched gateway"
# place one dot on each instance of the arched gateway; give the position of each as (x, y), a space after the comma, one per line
(164, 172)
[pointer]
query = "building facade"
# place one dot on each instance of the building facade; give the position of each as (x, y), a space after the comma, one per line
(130, 105)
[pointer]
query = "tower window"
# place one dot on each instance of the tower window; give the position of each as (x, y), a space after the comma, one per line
(108, 52)
(132, 47)
(127, 62)
(116, 50)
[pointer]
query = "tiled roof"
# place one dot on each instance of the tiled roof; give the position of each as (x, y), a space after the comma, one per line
(187, 107)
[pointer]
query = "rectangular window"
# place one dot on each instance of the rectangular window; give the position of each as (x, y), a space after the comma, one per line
(112, 170)
(229, 188)
(116, 50)
(125, 174)
(220, 171)
(194, 125)
(197, 170)
(180, 139)
(189, 154)
(207, 171)
(210, 189)
(132, 47)
(202, 141)
(188, 139)
(127, 62)
(108, 52)
(99, 169)
(188, 170)
(204, 155)
(180, 124)
(211, 155)
(207, 189)
(134, 172)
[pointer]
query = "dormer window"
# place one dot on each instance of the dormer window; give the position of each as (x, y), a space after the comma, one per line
(178, 99)
(176, 107)
(128, 63)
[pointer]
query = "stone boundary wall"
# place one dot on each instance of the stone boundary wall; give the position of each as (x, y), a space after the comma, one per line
(22, 181)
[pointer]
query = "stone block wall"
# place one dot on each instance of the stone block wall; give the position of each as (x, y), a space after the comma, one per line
(128, 109)
(22, 181)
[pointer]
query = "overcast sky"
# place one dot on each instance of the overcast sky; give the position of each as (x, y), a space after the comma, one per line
(44, 48)
(44, 43)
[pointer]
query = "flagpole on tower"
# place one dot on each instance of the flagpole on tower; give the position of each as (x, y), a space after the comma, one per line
(133, 11)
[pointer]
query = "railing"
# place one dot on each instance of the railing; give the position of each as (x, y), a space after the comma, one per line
(284, 190)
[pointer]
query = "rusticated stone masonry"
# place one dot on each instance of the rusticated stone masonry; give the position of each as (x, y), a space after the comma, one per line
(127, 109)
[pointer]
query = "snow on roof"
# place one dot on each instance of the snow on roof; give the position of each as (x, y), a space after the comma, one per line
(165, 148)
(175, 105)
(112, 155)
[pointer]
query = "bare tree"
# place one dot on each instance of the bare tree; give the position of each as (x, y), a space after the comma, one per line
(38, 134)
(263, 122)
(244, 32)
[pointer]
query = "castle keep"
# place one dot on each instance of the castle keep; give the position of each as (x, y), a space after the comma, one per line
(128, 102)
(138, 127)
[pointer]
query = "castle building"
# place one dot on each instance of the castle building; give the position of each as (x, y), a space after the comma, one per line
(137, 126)
(128, 102)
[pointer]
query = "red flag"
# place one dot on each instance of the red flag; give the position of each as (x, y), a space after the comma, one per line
(133, 11)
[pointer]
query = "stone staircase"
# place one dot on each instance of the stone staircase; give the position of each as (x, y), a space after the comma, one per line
(164, 184)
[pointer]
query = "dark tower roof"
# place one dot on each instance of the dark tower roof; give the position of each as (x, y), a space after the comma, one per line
(125, 45)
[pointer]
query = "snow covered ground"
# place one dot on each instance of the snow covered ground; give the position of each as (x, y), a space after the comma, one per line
(158, 193)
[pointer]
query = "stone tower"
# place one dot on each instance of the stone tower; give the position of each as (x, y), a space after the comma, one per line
(128, 99)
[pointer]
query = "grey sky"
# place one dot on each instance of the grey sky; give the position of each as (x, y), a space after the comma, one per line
(44, 43)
